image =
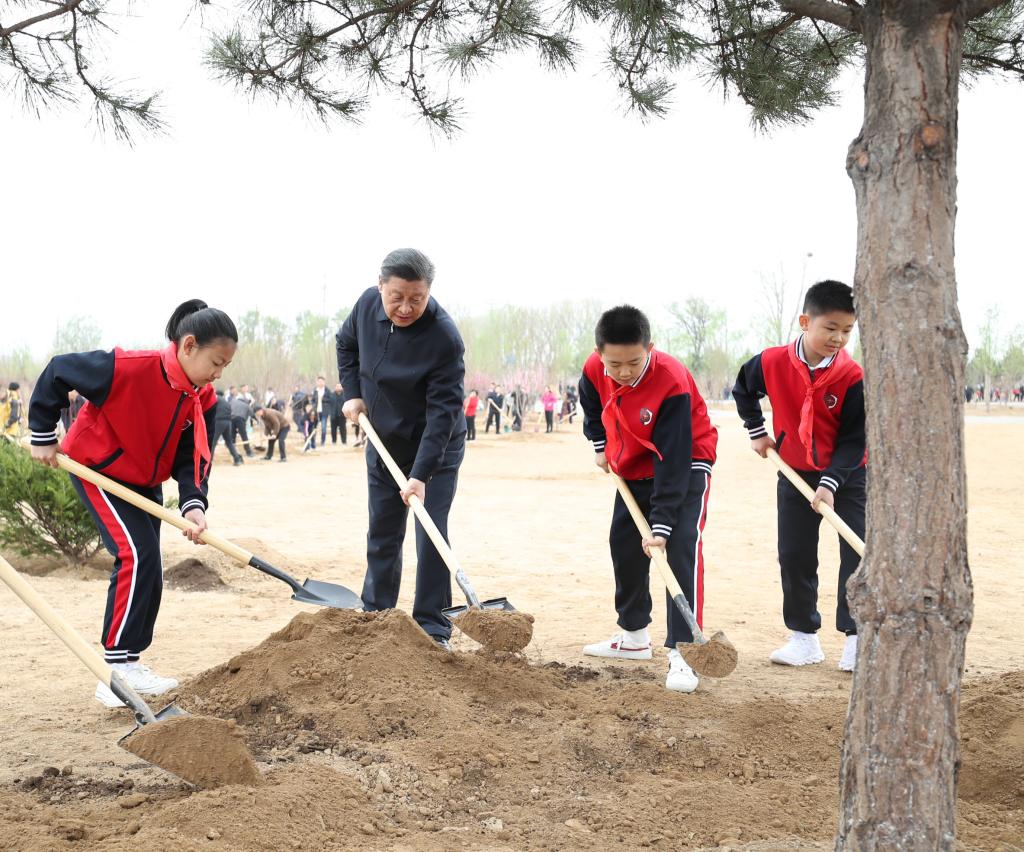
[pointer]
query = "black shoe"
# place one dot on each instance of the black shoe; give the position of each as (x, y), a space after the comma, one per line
(239, 461)
(282, 460)
(266, 458)
(442, 642)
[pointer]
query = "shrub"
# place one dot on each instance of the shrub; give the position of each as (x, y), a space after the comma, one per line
(40, 513)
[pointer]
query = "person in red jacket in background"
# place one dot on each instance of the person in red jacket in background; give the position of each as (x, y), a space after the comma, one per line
(817, 394)
(648, 423)
(149, 415)
(470, 406)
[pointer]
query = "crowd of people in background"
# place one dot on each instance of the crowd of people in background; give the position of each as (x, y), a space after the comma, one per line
(976, 393)
(518, 408)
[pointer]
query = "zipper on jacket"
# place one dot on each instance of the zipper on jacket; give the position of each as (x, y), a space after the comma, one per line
(167, 437)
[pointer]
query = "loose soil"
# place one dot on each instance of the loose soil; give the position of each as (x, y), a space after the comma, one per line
(202, 750)
(193, 575)
(497, 630)
(715, 658)
(368, 736)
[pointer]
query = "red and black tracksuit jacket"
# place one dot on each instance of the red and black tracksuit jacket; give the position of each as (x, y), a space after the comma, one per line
(817, 415)
(137, 429)
(656, 434)
(818, 420)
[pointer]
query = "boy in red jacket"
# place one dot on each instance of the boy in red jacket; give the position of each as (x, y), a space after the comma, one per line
(649, 424)
(817, 395)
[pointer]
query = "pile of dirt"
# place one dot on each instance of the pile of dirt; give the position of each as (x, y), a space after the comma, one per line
(372, 737)
(193, 575)
(715, 658)
(202, 750)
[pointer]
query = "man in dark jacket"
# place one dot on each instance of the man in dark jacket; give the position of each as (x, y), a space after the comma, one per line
(337, 418)
(223, 428)
(240, 414)
(400, 361)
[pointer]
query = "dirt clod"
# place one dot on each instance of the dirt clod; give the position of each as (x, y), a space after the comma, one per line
(496, 629)
(193, 575)
(207, 752)
(715, 658)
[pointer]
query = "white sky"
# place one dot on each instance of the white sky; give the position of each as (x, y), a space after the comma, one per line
(550, 192)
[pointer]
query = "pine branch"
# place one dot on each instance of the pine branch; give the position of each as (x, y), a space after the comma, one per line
(57, 12)
(847, 17)
(976, 8)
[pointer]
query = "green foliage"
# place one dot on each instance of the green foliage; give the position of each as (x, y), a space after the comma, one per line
(78, 334)
(40, 513)
(20, 365)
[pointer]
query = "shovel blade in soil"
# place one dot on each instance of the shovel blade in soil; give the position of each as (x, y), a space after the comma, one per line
(502, 604)
(170, 711)
(327, 594)
(715, 658)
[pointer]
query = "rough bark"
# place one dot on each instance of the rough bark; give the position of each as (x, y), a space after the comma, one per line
(912, 597)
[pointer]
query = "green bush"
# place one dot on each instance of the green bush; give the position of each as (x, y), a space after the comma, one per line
(40, 513)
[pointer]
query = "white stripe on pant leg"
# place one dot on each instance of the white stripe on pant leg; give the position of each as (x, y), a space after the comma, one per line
(696, 546)
(135, 568)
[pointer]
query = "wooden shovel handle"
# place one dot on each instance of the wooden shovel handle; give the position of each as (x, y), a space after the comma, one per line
(659, 558)
(79, 647)
(422, 515)
(150, 506)
(827, 512)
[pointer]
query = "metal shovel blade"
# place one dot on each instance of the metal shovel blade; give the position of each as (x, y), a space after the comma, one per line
(327, 594)
(503, 604)
(168, 712)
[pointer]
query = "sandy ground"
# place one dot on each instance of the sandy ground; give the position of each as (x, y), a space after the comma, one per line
(530, 522)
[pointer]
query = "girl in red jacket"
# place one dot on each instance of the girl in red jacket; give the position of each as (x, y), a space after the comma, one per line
(149, 415)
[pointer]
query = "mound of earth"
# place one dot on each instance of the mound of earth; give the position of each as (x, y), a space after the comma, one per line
(193, 575)
(371, 737)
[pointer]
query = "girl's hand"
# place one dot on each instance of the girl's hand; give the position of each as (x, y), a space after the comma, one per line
(197, 517)
(45, 455)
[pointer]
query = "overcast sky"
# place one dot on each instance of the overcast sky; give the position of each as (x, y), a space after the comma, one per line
(550, 192)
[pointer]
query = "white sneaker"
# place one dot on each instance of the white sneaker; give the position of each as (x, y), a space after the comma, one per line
(619, 648)
(143, 680)
(802, 649)
(106, 697)
(681, 677)
(848, 662)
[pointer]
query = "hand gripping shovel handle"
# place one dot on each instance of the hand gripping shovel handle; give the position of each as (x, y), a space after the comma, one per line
(660, 560)
(79, 647)
(827, 512)
(421, 514)
(174, 519)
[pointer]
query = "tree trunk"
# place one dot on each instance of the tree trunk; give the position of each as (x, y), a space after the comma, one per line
(912, 598)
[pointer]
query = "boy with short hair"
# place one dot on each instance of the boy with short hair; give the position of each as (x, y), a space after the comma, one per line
(648, 423)
(817, 394)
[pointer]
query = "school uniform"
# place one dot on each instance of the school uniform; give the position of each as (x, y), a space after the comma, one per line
(819, 427)
(143, 422)
(411, 380)
(656, 434)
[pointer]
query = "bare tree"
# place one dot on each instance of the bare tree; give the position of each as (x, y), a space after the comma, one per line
(699, 322)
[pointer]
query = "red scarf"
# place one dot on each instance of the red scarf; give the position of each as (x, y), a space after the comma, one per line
(839, 367)
(181, 383)
(618, 392)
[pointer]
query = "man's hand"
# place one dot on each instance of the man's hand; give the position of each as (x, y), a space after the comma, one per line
(823, 495)
(353, 408)
(45, 455)
(654, 541)
(762, 445)
(601, 461)
(197, 517)
(414, 487)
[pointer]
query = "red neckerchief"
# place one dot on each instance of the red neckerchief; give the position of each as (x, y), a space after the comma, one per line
(617, 393)
(840, 366)
(181, 383)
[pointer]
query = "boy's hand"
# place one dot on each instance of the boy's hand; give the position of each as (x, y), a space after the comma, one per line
(762, 445)
(823, 495)
(45, 455)
(353, 408)
(601, 461)
(654, 541)
(414, 487)
(197, 517)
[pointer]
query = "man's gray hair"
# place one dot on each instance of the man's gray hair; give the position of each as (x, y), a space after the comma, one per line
(409, 264)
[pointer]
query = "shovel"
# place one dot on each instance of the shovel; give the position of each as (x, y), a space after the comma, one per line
(714, 657)
(494, 623)
(164, 743)
(826, 511)
(311, 591)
